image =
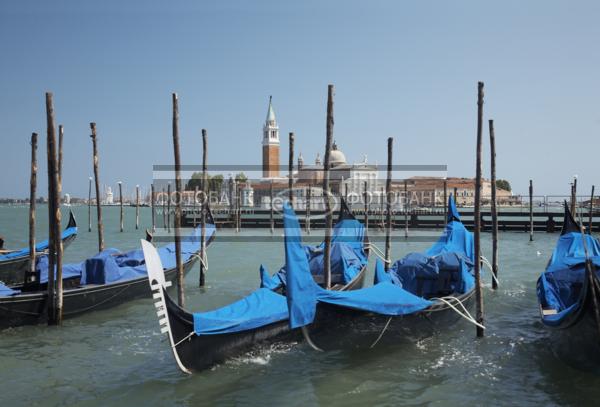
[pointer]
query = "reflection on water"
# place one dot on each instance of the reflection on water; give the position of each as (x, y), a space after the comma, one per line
(118, 357)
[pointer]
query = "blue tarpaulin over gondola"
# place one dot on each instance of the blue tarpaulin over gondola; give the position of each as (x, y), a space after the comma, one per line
(111, 265)
(6, 291)
(560, 288)
(303, 293)
(39, 247)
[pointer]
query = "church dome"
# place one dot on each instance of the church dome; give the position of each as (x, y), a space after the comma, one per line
(336, 157)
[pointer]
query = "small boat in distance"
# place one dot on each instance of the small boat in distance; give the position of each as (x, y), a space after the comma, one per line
(569, 297)
(15, 263)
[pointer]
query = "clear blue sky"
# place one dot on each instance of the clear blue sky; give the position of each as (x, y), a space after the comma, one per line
(402, 69)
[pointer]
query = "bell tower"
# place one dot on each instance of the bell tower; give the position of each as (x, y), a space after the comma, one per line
(270, 143)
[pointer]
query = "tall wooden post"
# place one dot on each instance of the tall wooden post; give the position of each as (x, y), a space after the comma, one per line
(203, 208)
(152, 202)
(137, 207)
(164, 209)
(90, 206)
(308, 199)
(169, 207)
(366, 203)
(531, 210)
(97, 181)
(121, 205)
(272, 209)
(238, 204)
(493, 207)
(32, 197)
(591, 225)
(60, 153)
(382, 211)
(455, 195)
(478, 291)
(574, 198)
(445, 201)
(406, 208)
(180, 293)
(291, 170)
(326, 192)
(54, 219)
(388, 194)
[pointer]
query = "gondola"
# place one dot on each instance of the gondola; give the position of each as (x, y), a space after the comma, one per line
(569, 296)
(15, 263)
(106, 280)
(201, 340)
(420, 295)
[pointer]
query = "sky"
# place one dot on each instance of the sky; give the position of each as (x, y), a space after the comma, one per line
(401, 69)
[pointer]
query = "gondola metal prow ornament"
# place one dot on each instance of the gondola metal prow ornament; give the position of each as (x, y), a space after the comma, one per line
(158, 284)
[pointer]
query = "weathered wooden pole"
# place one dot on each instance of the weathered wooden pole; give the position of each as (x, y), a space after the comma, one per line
(194, 210)
(326, 192)
(531, 210)
(455, 195)
(494, 208)
(54, 219)
(203, 210)
(478, 291)
(591, 211)
(272, 209)
(574, 198)
(366, 203)
(32, 196)
(382, 211)
(406, 207)
(97, 181)
(291, 170)
(60, 153)
(308, 199)
(445, 201)
(169, 207)
(388, 194)
(164, 208)
(122, 215)
(137, 207)
(90, 206)
(238, 200)
(152, 202)
(180, 293)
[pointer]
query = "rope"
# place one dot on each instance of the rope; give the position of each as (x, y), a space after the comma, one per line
(487, 263)
(466, 315)
(203, 261)
(378, 252)
(310, 342)
(381, 334)
(184, 339)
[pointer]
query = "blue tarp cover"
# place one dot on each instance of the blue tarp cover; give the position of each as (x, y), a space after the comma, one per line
(40, 247)
(303, 293)
(5, 291)
(560, 287)
(111, 266)
(262, 307)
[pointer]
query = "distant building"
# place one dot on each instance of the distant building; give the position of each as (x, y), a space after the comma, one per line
(270, 144)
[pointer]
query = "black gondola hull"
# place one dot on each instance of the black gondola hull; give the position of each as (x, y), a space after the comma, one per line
(31, 308)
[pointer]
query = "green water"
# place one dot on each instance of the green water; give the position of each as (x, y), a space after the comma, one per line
(118, 357)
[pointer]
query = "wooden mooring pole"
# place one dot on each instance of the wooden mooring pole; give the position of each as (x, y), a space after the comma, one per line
(272, 219)
(477, 215)
(122, 215)
(169, 207)
(445, 201)
(308, 199)
(97, 181)
(203, 210)
(494, 209)
(326, 192)
(366, 204)
(531, 210)
(90, 206)
(591, 225)
(180, 288)
(60, 153)
(31, 277)
(137, 207)
(152, 202)
(381, 210)
(406, 208)
(291, 170)
(574, 198)
(388, 206)
(54, 220)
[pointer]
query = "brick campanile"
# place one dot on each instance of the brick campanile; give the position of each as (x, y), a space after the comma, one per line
(270, 142)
